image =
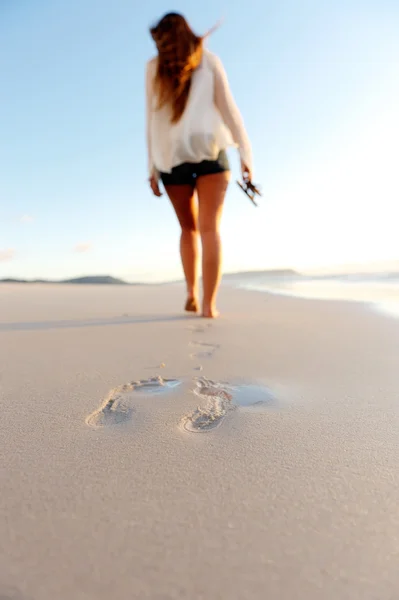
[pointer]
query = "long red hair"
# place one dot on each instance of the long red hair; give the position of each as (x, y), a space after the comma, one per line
(179, 55)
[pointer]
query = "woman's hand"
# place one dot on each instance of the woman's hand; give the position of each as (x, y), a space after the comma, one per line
(155, 186)
(246, 172)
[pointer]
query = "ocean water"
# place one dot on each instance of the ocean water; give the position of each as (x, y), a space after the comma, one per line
(380, 291)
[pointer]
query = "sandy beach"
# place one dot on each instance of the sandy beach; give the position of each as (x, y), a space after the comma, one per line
(150, 454)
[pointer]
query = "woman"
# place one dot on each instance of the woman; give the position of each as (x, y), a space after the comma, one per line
(191, 120)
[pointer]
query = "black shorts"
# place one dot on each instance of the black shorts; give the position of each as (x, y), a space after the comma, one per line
(187, 173)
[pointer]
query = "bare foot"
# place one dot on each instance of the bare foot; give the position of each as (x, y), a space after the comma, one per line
(191, 305)
(210, 313)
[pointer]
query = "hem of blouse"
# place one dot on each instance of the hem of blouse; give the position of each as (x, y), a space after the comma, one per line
(214, 157)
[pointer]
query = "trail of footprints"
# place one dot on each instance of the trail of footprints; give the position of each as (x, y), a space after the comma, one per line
(217, 399)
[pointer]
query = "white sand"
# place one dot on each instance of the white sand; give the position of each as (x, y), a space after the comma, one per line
(294, 499)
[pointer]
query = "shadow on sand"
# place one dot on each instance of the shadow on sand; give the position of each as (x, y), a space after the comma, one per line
(76, 323)
(11, 594)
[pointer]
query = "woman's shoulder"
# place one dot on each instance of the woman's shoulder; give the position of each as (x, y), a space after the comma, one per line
(210, 56)
(212, 59)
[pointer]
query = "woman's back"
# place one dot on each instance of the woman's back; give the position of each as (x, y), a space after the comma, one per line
(201, 132)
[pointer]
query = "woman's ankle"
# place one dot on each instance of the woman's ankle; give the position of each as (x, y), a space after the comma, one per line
(210, 313)
(192, 292)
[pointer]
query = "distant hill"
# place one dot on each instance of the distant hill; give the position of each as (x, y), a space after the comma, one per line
(102, 279)
(93, 279)
(11, 280)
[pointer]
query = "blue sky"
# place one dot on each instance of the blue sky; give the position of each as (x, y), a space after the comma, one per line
(317, 83)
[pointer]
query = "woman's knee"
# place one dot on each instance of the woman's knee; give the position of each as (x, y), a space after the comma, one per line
(189, 228)
(209, 224)
(209, 233)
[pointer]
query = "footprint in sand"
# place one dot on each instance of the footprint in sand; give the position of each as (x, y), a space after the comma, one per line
(203, 350)
(200, 328)
(219, 399)
(116, 408)
(197, 328)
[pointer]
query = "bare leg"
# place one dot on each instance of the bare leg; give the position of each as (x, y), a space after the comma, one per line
(183, 201)
(211, 192)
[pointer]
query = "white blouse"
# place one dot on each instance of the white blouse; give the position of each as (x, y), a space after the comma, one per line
(211, 121)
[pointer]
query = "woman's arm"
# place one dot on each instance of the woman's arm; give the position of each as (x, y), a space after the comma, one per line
(149, 90)
(231, 115)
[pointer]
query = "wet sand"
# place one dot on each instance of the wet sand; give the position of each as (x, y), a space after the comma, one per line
(150, 454)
